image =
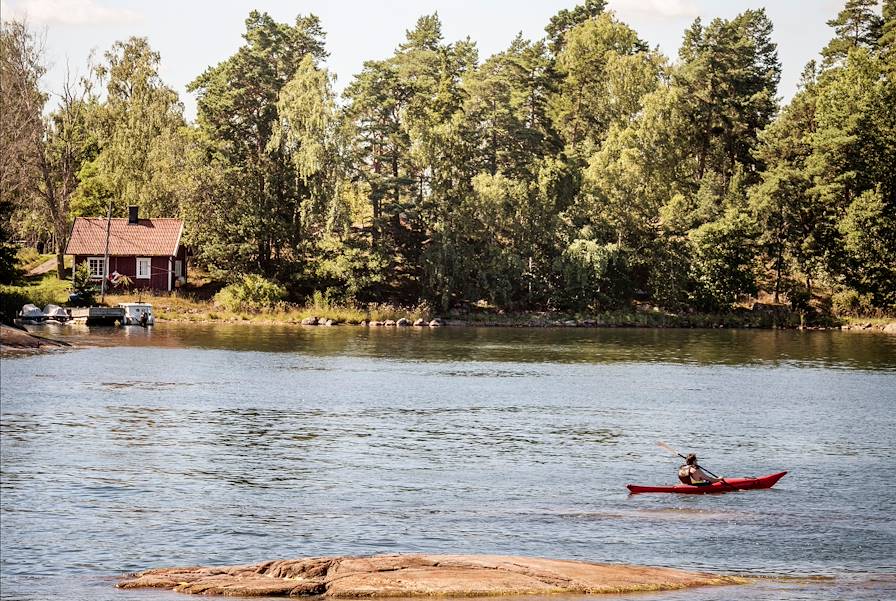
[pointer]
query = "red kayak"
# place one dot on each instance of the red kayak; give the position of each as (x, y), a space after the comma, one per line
(728, 485)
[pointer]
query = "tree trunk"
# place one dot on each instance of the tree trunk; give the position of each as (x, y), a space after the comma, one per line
(60, 256)
(778, 261)
(395, 186)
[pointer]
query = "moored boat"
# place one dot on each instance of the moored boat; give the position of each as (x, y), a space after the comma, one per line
(137, 314)
(31, 314)
(726, 485)
(55, 313)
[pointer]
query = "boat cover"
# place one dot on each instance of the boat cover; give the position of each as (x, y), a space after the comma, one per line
(31, 311)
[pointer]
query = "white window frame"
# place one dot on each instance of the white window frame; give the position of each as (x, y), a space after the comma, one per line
(98, 267)
(148, 261)
(178, 268)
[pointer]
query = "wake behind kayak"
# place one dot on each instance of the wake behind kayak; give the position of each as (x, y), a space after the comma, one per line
(726, 485)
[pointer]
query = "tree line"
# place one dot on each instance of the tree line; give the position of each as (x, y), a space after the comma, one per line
(580, 171)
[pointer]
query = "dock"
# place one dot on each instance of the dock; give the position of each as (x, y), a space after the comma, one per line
(98, 315)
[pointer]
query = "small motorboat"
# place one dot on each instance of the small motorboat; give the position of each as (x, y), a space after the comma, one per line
(726, 485)
(57, 314)
(137, 314)
(31, 314)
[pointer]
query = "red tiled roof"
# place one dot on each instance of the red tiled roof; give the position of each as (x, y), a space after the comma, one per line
(147, 237)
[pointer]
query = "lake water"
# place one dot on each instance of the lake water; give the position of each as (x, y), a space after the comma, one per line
(227, 444)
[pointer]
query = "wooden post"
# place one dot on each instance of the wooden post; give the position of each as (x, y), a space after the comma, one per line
(106, 255)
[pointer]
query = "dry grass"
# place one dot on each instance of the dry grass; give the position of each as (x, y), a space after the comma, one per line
(175, 307)
(184, 308)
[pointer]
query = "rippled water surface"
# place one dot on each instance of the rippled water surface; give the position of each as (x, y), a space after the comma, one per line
(230, 444)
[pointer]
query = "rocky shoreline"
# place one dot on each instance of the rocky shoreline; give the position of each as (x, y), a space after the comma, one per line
(888, 328)
(419, 576)
(14, 340)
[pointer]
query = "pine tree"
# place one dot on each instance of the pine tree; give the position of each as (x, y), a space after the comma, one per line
(858, 25)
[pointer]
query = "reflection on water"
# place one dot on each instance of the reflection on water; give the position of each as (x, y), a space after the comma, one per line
(216, 445)
(575, 345)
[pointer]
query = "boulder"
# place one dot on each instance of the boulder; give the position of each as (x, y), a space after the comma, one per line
(389, 323)
(419, 323)
(436, 323)
(310, 321)
(18, 339)
(403, 323)
(890, 328)
(375, 323)
(420, 576)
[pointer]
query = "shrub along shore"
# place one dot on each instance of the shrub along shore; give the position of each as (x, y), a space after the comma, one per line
(186, 310)
(254, 300)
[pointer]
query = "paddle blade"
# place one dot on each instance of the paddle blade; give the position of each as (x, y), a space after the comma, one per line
(663, 445)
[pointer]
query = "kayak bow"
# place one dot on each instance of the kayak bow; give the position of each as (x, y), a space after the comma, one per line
(727, 485)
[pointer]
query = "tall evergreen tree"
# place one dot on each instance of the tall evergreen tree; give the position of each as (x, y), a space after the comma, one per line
(730, 73)
(251, 228)
(858, 25)
(566, 19)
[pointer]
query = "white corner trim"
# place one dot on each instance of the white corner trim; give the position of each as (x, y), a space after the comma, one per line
(179, 235)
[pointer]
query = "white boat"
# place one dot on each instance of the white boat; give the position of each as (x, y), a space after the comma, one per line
(56, 313)
(134, 314)
(31, 314)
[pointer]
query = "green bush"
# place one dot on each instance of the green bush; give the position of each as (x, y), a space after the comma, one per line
(849, 303)
(49, 291)
(321, 301)
(27, 256)
(11, 300)
(251, 293)
(83, 285)
(722, 261)
(594, 275)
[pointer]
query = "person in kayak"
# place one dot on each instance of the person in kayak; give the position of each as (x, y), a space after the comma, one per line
(690, 473)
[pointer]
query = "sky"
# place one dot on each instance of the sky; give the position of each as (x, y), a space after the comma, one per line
(192, 35)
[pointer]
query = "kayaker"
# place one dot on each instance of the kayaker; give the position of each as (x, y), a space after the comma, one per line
(690, 473)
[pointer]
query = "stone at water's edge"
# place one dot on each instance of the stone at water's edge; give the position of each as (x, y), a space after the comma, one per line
(14, 339)
(418, 576)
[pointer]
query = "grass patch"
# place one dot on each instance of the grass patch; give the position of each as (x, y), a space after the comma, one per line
(874, 321)
(183, 307)
(28, 259)
(49, 290)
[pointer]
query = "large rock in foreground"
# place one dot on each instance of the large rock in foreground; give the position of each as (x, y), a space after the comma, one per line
(17, 340)
(419, 575)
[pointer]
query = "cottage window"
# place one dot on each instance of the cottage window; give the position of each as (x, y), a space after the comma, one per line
(143, 264)
(97, 267)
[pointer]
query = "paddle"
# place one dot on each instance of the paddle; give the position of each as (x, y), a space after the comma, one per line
(663, 445)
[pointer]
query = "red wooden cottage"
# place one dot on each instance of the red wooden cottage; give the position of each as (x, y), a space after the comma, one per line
(148, 251)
